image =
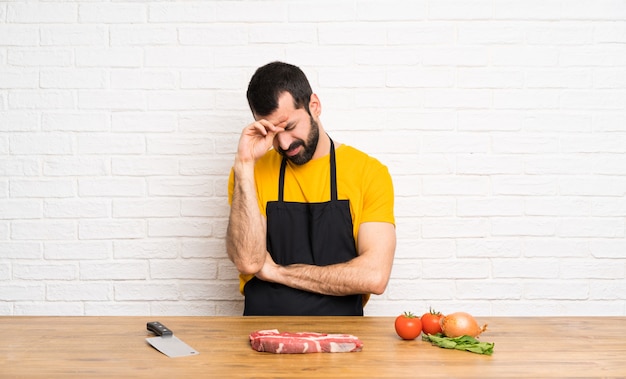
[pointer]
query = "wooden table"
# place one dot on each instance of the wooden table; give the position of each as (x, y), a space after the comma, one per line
(115, 347)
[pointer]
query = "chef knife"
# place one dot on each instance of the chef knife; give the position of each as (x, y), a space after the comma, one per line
(167, 343)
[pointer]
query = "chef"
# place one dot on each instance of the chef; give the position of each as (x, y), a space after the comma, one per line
(311, 228)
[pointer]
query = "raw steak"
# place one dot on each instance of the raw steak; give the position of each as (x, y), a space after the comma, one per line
(273, 341)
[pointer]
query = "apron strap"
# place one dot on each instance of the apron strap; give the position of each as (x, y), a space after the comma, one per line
(333, 175)
(333, 172)
(281, 180)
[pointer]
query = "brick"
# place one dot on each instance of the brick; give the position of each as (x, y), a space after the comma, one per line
(112, 13)
(20, 250)
(77, 250)
(46, 99)
(102, 143)
(73, 35)
(583, 269)
(132, 122)
(117, 270)
(31, 271)
(592, 186)
(351, 34)
(146, 291)
(78, 291)
(142, 35)
(14, 291)
(200, 167)
(183, 269)
(455, 228)
(524, 185)
(488, 248)
(111, 229)
(111, 100)
(43, 230)
(117, 187)
(607, 248)
(188, 12)
(146, 208)
(44, 188)
(457, 269)
(20, 209)
(231, 35)
(210, 290)
(601, 227)
(457, 98)
(41, 143)
(456, 185)
(106, 308)
(489, 206)
(109, 57)
(422, 34)
(144, 249)
(396, 10)
(271, 33)
(75, 122)
(204, 208)
(491, 290)
(40, 57)
(87, 166)
(76, 208)
(41, 13)
(558, 122)
(144, 166)
(484, 164)
(556, 247)
(19, 121)
(203, 248)
(523, 226)
(143, 79)
(199, 57)
(180, 100)
(529, 9)
(427, 78)
(527, 99)
(557, 206)
(167, 145)
(179, 227)
(262, 11)
(460, 10)
(72, 78)
(214, 79)
(556, 289)
(19, 79)
(423, 290)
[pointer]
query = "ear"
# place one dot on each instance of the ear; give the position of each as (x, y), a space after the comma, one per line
(315, 106)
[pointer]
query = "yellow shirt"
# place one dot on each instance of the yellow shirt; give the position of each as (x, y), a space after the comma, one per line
(360, 178)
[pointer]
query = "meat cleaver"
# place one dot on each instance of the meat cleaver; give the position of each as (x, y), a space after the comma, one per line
(167, 343)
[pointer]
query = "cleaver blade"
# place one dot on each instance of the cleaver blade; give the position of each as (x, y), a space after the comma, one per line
(167, 343)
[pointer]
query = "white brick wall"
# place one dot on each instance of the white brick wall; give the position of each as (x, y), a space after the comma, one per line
(503, 123)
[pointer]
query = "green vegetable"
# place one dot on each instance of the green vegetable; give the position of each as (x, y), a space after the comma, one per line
(466, 343)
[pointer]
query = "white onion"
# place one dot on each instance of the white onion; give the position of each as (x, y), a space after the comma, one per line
(461, 324)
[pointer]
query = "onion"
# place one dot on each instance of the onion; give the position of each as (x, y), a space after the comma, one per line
(461, 324)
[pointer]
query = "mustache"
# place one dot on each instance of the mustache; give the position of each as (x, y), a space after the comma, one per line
(293, 145)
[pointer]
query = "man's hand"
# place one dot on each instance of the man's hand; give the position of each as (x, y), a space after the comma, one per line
(267, 273)
(257, 138)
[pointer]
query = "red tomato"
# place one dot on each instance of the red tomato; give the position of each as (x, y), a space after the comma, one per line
(431, 322)
(408, 326)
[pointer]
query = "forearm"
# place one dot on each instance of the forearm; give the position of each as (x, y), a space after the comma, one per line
(368, 273)
(337, 280)
(245, 236)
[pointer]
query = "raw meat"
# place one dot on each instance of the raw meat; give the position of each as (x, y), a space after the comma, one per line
(273, 341)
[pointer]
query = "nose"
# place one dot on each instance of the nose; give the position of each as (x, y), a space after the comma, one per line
(284, 140)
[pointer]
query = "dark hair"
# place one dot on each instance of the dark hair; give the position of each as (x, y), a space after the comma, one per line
(270, 81)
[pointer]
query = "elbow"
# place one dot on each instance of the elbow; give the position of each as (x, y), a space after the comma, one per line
(249, 268)
(379, 284)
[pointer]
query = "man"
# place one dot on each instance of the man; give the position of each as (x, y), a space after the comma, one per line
(311, 226)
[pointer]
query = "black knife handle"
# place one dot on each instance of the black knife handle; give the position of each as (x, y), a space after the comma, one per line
(159, 329)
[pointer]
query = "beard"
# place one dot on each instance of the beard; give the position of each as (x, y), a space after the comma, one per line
(308, 147)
